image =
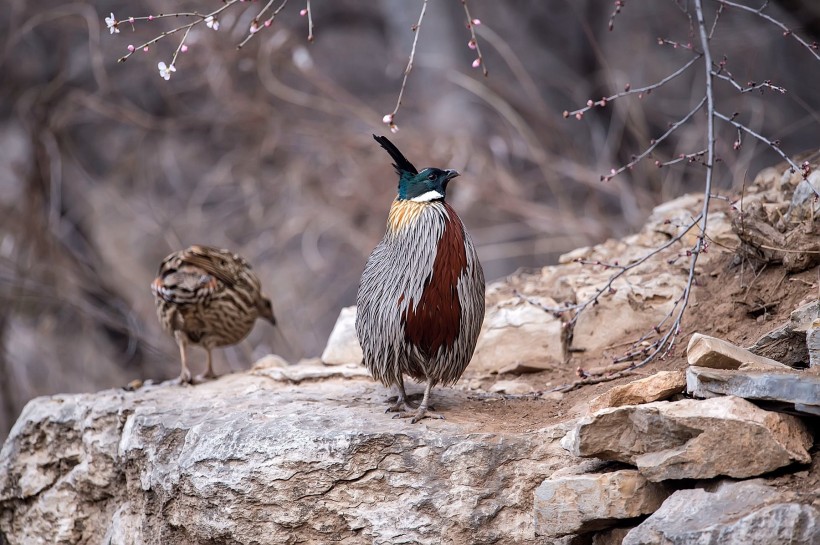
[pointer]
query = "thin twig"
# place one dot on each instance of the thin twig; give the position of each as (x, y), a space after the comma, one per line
(268, 22)
(389, 118)
(672, 128)
(623, 270)
(310, 21)
(774, 144)
(629, 91)
(752, 85)
(812, 47)
(471, 23)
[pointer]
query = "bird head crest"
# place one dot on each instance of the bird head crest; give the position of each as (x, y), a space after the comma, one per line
(428, 185)
(401, 163)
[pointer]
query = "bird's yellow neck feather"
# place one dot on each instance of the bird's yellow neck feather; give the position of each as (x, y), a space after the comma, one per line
(404, 213)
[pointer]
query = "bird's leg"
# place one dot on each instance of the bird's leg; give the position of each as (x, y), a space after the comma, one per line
(209, 370)
(422, 412)
(185, 374)
(402, 405)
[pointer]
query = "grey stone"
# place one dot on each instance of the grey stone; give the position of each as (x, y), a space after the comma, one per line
(517, 336)
(802, 318)
(813, 344)
(343, 344)
(794, 388)
(787, 343)
(692, 439)
(252, 459)
(573, 504)
(735, 513)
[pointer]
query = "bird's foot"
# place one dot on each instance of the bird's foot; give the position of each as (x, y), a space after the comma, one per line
(184, 378)
(419, 414)
(401, 406)
(410, 397)
(205, 377)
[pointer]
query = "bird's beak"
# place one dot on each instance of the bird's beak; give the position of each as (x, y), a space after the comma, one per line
(451, 173)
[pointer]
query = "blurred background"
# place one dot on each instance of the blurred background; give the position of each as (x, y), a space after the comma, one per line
(105, 167)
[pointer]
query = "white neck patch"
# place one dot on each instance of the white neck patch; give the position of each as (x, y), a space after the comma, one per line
(427, 197)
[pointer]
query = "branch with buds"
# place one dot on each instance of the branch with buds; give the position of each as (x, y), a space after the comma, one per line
(471, 24)
(263, 19)
(665, 333)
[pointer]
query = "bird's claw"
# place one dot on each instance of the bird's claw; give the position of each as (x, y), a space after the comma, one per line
(184, 379)
(419, 414)
(409, 397)
(401, 407)
(204, 377)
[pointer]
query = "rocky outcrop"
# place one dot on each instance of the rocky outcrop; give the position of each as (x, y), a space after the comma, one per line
(250, 459)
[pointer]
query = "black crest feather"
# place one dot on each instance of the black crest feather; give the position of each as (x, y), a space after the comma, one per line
(401, 163)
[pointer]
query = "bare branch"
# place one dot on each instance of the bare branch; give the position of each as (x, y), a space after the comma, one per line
(389, 118)
(310, 21)
(267, 23)
(578, 114)
(811, 47)
(654, 144)
(623, 269)
(774, 144)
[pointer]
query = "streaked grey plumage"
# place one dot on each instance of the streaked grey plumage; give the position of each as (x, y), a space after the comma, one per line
(208, 297)
(421, 297)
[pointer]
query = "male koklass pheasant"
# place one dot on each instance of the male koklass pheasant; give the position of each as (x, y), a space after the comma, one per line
(208, 297)
(421, 296)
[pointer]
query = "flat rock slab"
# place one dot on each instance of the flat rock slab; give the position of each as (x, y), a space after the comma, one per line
(248, 459)
(706, 351)
(574, 504)
(692, 439)
(799, 390)
(735, 513)
(657, 387)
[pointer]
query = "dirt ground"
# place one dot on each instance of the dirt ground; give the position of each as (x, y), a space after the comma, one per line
(731, 301)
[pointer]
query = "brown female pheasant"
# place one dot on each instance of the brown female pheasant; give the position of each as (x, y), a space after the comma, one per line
(208, 297)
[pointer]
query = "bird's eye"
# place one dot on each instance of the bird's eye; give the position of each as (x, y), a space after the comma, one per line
(431, 177)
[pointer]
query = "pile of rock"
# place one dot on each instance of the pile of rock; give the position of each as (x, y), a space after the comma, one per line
(670, 459)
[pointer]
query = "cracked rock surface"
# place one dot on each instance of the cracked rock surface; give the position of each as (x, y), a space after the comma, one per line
(248, 459)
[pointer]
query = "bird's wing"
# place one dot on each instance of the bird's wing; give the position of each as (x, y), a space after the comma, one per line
(220, 264)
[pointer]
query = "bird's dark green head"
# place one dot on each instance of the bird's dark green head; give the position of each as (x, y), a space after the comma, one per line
(430, 184)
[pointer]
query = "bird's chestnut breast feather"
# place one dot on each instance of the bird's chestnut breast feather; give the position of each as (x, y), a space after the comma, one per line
(436, 320)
